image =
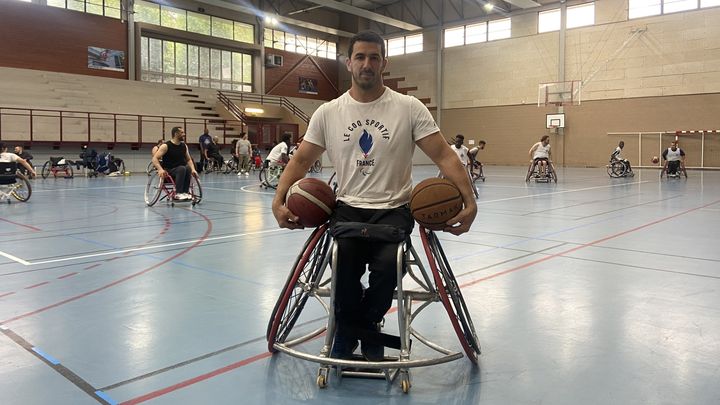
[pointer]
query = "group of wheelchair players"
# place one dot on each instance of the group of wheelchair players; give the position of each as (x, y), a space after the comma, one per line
(673, 162)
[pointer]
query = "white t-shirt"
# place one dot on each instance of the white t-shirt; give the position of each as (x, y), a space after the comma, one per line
(371, 146)
(541, 152)
(673, 155)
(8, 157)
(277, 152)
(462, 153)
(243, 147)
(617, 152)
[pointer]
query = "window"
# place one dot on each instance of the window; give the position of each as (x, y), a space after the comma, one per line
(581, 16)
(672, 6)
(244, 32)
(298, 44)
(396, 46)
(180, 63)
(499, 29)
(173, 18)
(147, 12)
(404, 45)
(198, 23)
(644, 8)
(476, 33)
(454, 37)
(709, 3)
(414, 43)
(549, 20)
(222, 28)
(108, 8)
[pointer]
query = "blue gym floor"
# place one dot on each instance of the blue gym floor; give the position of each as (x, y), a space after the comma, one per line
(589, 291)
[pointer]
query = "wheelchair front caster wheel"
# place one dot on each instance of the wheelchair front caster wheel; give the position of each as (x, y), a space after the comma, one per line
(322, 379)
(405, 385)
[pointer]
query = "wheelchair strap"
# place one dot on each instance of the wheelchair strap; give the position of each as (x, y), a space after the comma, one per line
(362, 230)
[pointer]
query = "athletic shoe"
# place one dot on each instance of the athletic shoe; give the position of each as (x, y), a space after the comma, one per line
(343, 347)
(373, 351)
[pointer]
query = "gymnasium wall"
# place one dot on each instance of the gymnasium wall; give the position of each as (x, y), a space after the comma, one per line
(666, 79)
(52, 39)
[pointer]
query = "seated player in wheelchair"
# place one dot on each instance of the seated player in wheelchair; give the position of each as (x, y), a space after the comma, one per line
(8, 157)
(21, 152)
(279, 155)
(374, 164)
(674, 158)
(213, 153)
(176, 162)
(475, 166)
(615, 157)
(540, 157)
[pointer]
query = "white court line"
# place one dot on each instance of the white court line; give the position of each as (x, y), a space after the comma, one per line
(15, 259)
(64, 259)
(244, 188)
(559, 192)
(84, 188)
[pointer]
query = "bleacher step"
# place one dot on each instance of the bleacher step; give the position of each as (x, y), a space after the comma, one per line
(182, 89)
(189, 95)
(196, 101)
(204, 108)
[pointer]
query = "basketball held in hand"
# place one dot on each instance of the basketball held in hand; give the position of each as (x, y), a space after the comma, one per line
(434, 201)
(312, 200)
(655, 160)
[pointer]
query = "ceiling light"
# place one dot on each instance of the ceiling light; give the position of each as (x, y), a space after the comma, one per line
(488, 6)
(252, 110)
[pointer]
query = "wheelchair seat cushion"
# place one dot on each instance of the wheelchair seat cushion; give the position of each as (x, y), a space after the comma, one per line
(7, 172)
(373, 232)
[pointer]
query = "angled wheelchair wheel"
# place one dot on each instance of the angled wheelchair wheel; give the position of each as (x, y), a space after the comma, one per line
(305, 273)
(529, 172)
(151, 168)
(46, 170)
(316, 167)
(450, 295)
(553, 173)
(22, 189)
(69, 172)
(195, 190)
(153, 189)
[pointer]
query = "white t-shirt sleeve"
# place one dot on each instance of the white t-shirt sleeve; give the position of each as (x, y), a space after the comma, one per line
(315, 133)
(423, 122)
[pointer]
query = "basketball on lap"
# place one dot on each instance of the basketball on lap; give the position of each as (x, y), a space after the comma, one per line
(434, 201)
(655, 159)
(312, 200)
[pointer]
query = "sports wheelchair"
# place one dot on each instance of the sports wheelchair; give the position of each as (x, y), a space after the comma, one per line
(679, 170)
(13, 183)
(163, 188)
(476, 171)
(270, 175)
(57, 165)
(619, 168)
(308, 279)
(534, 173)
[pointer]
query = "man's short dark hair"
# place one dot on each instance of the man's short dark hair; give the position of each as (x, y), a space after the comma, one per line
(545, 137)
(367, 36)
(460, 136)
(286, 137)
(2, 145)
(482, 142)
(175, 130)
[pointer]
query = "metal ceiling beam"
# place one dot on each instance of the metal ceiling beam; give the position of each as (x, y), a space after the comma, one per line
(285, 20)
(523, 3)
(360, 12)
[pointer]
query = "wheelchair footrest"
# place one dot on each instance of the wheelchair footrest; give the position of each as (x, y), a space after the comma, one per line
(379, 338)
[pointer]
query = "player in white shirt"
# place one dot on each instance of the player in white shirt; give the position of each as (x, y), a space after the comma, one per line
(460, 149)
(540, 155)
(278, 155)
(615, 156)
(370, 134)
(8, 157)
(674, 158)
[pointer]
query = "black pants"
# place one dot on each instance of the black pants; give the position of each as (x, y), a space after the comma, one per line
(181, 176)
(353, 305)
(673, 166)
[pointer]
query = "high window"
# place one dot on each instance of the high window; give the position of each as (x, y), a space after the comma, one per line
(577, 16)
(300, 44)
(476, 33)
(108, 8)
(645, 8)
(180, 63)
(404, 45)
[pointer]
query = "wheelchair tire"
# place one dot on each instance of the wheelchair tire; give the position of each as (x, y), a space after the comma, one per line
(529, 173)
(153, 189)
(150, 169)
(22, 190)
(195, 190)
(316, 167)
(450, 295)
(46, 170)
(306, 271)
(69, 172)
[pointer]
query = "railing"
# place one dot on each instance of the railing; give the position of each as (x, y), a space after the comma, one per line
(58, 126)
(232, 97)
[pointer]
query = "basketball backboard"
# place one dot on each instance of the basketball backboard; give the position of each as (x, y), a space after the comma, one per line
(555, 120)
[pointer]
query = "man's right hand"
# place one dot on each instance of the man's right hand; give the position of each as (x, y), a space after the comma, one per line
(285, 218)
(162, 173)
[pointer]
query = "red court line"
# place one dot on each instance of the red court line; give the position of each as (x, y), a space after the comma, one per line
(23, 225)
(122, 280)
(6, 294)
(203, 377)
(67, 275)
(37, 285)
(576, 248)
(92, 266)
(197, 379)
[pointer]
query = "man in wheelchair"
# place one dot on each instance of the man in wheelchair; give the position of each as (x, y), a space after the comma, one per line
(540, 156)
(176, 162)
(8, 157)
(475, 165)
(373, 159)
(213, 152)
(615, 157)
(279, 154)
(674, 158)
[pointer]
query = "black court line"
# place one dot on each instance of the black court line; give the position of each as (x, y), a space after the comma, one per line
(683, 273)
(490, 266)
(630, 206)
(68, 374)
(705, 259)
(579, 204)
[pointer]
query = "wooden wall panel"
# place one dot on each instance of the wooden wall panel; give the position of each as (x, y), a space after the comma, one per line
(53, 39)
(285, 80)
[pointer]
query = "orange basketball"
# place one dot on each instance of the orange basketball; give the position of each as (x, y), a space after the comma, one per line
(312, 200)
(655, 159)
(434, 201)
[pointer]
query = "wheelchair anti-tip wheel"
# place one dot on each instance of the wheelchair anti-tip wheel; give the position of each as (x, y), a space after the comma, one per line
(307, 270)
